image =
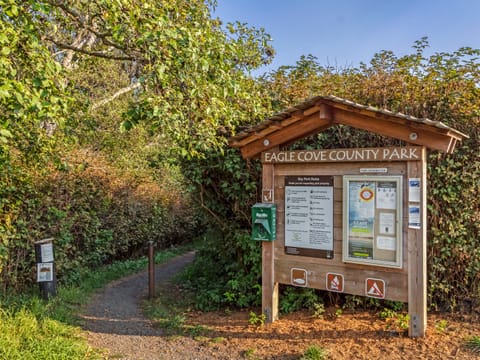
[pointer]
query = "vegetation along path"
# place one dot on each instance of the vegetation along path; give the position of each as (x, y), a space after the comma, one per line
(114, 320)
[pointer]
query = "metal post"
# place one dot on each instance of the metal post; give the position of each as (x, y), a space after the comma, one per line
(151, 270)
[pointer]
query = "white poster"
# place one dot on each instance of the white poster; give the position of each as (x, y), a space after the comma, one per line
(387, 195)
(386, 223)
(47, 252)
(414, 217)
(44, 272)
(309, 212)
(414, 189)
(386, 243)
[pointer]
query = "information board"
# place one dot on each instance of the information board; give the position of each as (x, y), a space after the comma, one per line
(309, 216)
(372, 220)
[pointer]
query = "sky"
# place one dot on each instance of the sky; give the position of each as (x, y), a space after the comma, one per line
(343, 33)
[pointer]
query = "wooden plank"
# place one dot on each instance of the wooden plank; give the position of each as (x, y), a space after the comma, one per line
(269, 285)
(385, 154)
(417, 250)
(395, 129)
(325, 112)
(289, 133)
(396, 282)
(396, 279)
(312, 110)
(336, 169)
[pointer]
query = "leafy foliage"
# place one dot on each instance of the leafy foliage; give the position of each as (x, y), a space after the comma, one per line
(187, 71)
(94, 218)
(445, 87)
(176, 82)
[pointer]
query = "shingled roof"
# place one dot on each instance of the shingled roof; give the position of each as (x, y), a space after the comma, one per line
(321, 112)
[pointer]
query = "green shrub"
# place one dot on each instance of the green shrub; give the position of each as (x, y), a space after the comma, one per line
(314, 353)
(96, 214)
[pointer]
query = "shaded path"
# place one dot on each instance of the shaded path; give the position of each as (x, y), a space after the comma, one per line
(114, 321)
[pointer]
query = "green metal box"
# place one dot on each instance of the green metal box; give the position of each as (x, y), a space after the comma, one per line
(264, 222)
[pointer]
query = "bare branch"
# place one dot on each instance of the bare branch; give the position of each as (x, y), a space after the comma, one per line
(91, 53)
(81, 21)
(117, 94)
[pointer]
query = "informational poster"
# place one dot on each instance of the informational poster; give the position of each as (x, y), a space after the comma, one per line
(372, 219)
(414, 189)
(361, 216)
(387, 195)
(46, 251)
(414, 217)
(44, 272)
(386, 223)
(309, 215)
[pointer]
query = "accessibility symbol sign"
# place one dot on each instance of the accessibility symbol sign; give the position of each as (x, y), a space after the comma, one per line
(334, 282)
(375, 288)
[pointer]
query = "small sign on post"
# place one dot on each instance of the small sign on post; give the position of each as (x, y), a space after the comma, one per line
(46, 277)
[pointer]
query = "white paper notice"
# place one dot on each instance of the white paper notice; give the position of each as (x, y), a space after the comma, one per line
(47, 252)
(386, 243)
(387, 223)
(414, 189)
(309, 213)
(414, 217)
(387, 195)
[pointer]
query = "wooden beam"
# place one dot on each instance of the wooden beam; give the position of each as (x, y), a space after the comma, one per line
(297, 130)
(417, 253)
(274, 126)
(394, 129)
(312, 110)
(269, 286)
(325, 112)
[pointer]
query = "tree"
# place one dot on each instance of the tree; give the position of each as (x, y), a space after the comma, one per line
(32, 98)
(184, 72)
(442, 87)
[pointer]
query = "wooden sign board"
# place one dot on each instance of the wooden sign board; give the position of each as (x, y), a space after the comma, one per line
(345, 217)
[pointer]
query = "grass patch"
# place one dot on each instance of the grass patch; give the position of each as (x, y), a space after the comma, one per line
(31, 328)
(473, 344)
(314, 353)
(168, 311)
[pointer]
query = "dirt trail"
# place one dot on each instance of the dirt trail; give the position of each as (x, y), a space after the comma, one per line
(114, 321)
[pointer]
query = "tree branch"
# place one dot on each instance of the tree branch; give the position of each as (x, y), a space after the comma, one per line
(79, 19)
(91, 53)
(117, 94)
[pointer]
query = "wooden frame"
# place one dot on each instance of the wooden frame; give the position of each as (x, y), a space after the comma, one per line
(398, 282)
(405, 281)
(390, 213)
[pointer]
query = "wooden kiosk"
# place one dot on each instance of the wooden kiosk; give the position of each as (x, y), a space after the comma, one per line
(347, 220)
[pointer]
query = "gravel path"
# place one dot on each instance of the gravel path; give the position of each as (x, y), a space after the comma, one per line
(114, 321)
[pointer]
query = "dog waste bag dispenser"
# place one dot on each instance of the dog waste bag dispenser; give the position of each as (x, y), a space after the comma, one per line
(264, 222)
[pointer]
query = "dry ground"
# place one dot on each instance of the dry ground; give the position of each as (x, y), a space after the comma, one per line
(114, 321)
(361, 335)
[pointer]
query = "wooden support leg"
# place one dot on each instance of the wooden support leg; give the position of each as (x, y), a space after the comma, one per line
(417, 256)
(269, 286)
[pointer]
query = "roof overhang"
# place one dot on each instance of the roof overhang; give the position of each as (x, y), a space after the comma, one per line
(319, 113)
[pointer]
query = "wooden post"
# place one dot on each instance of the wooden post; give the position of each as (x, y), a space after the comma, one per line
(417, 252)
(151, 270)
(269, 286)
